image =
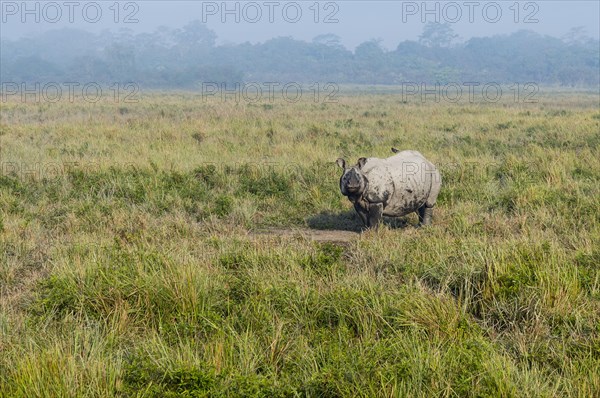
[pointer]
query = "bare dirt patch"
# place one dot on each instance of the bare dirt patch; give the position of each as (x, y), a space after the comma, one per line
(340, 237)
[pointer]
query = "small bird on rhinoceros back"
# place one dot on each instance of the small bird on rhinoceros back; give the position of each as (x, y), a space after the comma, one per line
(393, 187)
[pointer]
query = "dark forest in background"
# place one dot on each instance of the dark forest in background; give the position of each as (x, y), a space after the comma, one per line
(186, 57)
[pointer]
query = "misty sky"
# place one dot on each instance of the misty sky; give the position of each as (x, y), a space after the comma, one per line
(354, 21)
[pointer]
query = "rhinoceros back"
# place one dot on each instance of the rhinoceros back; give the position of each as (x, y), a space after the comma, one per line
(402, 182)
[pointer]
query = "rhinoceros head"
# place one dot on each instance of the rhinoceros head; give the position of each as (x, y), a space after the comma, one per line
(353, 181)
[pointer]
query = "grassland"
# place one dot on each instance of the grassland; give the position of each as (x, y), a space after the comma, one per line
(135, 260)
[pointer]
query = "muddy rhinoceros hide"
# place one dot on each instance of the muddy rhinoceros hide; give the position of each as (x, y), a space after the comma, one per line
(393, 187)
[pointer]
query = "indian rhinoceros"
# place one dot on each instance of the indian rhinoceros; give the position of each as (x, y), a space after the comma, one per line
(393, 187)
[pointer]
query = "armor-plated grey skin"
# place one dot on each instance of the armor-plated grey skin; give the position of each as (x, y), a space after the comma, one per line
(393, 187)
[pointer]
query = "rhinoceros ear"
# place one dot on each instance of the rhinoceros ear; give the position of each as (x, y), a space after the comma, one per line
(361, 162)
(341, 162)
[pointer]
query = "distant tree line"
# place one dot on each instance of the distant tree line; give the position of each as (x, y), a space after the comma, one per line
(186, 57)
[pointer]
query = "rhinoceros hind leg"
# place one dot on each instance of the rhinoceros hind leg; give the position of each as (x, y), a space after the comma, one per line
(425, 215)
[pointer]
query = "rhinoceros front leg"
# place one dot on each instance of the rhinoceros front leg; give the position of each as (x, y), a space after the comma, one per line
(362, 213)
(425, 215)
(375, 215)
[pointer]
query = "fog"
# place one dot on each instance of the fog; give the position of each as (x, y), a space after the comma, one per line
(185, 43)
(354, 21)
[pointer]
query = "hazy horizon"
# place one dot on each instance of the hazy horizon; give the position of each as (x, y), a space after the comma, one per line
(239, 22)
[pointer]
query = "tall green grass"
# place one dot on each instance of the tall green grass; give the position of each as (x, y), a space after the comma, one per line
(132, 266)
